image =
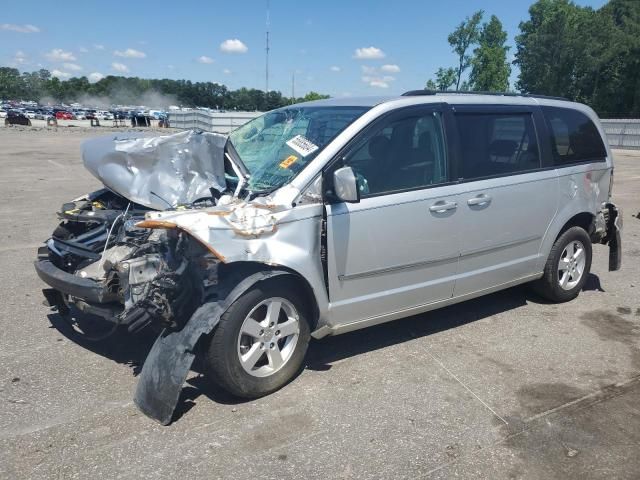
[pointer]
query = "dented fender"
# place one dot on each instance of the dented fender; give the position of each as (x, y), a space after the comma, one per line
(169, 361)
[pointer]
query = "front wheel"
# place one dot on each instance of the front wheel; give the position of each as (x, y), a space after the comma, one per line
(567, 267)
(261, 340)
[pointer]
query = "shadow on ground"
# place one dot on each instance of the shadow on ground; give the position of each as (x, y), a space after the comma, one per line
(132, 349)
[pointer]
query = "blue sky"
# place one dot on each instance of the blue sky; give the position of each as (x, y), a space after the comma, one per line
(335, 47)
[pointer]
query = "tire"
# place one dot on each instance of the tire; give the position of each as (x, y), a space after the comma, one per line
(562, 282)
(222, 356)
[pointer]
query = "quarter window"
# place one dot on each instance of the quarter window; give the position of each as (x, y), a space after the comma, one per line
(496, 144)
(574, 137)
(401, 154)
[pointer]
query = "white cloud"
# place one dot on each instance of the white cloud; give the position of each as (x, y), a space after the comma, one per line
(26, 28)
(390, 68)
(72, 66)
(205, 59)
(20, 58)
(335, 68)
(130, 53)
(233, 45)
(97, 46)
(368, 53)
(378, 83)
(95, 77)
(171, 67)
(83, 50)
(367, 70)
(119, 67)
(59, 55)
(61, 75)
(226, 71)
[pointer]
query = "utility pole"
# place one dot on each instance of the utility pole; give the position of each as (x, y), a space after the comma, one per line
(267, 52)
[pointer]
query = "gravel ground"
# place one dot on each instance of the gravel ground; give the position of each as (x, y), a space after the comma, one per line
(505, 386)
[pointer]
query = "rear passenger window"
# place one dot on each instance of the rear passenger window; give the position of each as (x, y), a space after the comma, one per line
(574, 137)
(496, 144)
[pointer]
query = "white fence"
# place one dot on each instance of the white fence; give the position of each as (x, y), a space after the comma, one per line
(220, 122)
(623, 133)
(620, 133)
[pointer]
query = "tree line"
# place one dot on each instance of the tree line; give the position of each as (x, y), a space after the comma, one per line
(42, 86)
(563, 49)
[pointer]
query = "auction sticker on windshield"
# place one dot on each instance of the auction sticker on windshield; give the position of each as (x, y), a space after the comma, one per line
(287, 162)
(302, 145)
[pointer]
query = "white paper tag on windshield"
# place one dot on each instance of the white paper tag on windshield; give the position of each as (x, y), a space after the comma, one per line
(303, 146)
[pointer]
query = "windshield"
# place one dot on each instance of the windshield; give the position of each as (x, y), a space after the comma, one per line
(276, 146)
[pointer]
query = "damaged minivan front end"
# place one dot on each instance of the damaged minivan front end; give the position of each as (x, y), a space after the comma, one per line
(181, 226)
(101, 261)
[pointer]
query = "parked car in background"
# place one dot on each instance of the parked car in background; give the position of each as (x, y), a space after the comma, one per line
(3, 113)
(15, 117)
(30, 114)
(64, 115)
(79, 115)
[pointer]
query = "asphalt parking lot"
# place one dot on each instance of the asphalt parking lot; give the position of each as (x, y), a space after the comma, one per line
(505, 386)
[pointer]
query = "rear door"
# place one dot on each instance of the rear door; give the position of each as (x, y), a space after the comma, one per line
(398, 247)
(510, 195)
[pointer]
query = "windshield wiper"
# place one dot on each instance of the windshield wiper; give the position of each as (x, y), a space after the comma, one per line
(235, 158)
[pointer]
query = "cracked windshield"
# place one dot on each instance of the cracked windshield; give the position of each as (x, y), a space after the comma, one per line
(278, 145)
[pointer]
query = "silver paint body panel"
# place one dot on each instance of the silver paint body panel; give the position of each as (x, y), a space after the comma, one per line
(389, 256)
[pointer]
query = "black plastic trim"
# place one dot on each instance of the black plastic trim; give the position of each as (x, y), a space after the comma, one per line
(69, 284)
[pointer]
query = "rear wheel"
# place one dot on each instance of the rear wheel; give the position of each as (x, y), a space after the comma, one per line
(567, 267)
(261, 340)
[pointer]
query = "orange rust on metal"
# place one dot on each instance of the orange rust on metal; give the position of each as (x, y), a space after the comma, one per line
(156, 224)
(208, 247)
(219, 213)
(170, 225)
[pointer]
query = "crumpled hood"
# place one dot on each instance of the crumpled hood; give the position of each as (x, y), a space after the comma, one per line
(158, 172)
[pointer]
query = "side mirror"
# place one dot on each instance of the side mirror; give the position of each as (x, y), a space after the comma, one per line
(345, 185)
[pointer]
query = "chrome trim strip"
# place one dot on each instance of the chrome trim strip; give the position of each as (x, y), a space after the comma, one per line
(424, 263)
(513, 243)
(370, 273)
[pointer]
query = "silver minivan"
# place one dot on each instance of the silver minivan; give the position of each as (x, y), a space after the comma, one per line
(325, 217)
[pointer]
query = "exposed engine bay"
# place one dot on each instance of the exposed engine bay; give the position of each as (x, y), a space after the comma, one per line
(123, 273)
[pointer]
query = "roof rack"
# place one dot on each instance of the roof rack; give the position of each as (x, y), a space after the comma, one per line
(413, 93)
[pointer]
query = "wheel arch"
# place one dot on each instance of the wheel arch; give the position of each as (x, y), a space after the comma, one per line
(561, 224)
(234, 272)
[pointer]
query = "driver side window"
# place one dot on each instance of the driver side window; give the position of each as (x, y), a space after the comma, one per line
(405, 153)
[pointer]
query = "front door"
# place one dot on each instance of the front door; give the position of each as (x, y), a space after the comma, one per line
(398, 247)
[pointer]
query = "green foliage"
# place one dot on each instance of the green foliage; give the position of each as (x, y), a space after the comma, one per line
(592, 56)
(461, 39)
(41, 85)
(490, 69)
(445, 78)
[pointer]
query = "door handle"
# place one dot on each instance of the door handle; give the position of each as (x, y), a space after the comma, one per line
(480, 200)
(442, 206)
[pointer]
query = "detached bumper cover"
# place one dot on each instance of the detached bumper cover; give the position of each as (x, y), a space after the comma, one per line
(169, 361)
(614, 237)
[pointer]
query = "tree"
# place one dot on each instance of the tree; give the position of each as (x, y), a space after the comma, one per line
(445, 78)
(490, 69)
(134, 91)
(549, 46)
(591, 56)
(465, 35)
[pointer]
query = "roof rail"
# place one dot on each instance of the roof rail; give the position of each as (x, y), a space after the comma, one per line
(413, 93)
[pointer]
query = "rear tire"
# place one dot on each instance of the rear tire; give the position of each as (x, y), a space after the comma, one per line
(251, 365)
(567, 267)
